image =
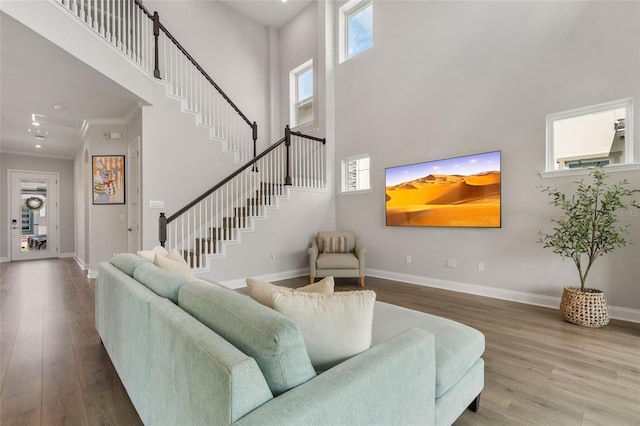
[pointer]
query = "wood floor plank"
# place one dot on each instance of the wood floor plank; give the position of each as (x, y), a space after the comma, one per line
(539, 369)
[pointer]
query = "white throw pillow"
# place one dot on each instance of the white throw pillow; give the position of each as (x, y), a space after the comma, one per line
(334, 326)
(173, 262)
(150, 255)
(262, 291)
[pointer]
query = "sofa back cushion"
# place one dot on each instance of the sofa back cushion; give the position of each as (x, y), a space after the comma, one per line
(127, 262)
(163, 283)
(273, 340)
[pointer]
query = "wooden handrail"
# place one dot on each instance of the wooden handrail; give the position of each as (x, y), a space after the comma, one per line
(286, 140)
(223, 182)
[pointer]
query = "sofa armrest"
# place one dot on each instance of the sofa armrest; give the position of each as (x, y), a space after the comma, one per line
(313, 256)
(391, 383)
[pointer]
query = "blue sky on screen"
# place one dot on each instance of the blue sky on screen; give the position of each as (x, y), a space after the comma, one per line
(468, 165)
(360, 31)
(305, 85)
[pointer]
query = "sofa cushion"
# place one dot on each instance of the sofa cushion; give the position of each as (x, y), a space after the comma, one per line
(335, 326)
(273, 340)
(458, 347)
(337, 261)
(262, 291)
(161, 282)
(127, 262)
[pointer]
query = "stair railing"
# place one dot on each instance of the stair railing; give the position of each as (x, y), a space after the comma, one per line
(199, 228)
(139, 34)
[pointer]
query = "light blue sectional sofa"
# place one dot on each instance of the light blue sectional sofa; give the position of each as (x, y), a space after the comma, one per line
(193, 353)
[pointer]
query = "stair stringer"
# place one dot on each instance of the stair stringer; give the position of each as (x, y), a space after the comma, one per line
(250, 228)
(285, 230)
(199, 122)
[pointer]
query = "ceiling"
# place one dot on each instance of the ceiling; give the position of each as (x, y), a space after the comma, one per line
(268, 12)
(35, 75)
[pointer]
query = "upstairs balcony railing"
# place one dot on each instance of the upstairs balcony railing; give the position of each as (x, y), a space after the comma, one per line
(139, 34)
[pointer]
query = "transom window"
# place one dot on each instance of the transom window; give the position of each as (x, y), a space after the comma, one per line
(355, 174)
(355, 28)
(590, 136)
(301, 81)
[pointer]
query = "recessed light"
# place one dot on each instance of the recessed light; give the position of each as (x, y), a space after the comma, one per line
(38, 146)
(58, 107)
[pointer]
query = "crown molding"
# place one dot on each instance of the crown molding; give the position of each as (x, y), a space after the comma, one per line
(116, 121)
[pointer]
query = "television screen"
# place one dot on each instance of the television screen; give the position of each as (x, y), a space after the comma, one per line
(460, 191)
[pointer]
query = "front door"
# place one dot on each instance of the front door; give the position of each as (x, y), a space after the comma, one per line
(33, 215)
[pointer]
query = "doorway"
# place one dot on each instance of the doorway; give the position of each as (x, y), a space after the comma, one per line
(33, 215)
(133, 191)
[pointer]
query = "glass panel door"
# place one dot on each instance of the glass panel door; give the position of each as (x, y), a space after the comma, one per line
(34, 216)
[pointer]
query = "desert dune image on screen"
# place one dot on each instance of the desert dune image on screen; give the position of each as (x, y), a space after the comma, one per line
(461, 191)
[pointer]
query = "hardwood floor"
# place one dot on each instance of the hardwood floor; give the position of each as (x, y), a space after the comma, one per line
(539, 370)
(54, 371)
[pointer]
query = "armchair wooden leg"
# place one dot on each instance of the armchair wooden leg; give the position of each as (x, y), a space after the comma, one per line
(362, 282)
(312, 280)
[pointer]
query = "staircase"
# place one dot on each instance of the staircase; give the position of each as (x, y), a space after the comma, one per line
(203, 228)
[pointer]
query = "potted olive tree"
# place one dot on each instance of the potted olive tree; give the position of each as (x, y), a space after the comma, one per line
(588, 228)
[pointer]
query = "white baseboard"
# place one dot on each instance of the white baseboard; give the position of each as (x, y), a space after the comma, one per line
(92, 274)
(4, 260)
(81, 264)
(66, 255)
(241, 282)
(615, 312)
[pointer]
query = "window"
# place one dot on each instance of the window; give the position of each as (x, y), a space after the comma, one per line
(355, 28)
(590, 136)
(301, 85)
(355, 174)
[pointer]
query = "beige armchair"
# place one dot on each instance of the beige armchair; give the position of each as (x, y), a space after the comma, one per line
(336, 254)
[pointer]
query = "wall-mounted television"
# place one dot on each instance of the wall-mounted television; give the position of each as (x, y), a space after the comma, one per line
(457, 192)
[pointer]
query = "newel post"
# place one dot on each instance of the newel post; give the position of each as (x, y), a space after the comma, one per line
(254, 128)
(162, 229)
(156, 34)
(287, 143)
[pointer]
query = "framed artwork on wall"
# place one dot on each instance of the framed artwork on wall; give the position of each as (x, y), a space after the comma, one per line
(108, 179)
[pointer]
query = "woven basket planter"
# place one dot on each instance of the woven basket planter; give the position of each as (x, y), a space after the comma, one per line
(587, 308)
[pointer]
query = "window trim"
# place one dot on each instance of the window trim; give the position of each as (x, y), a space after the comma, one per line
(349, 9)
(293, 94)
(344, 173)
(626, 103)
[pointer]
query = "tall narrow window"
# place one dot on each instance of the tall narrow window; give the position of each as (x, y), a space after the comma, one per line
(355, 174)
(356, 28)
(301, 82)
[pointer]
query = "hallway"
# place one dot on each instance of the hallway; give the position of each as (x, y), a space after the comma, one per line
(53, 368)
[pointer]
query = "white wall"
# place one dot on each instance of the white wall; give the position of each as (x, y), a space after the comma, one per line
(230, 47)
(452, 78)
(179, 162)
(298, 44)
(106, 224)
(65, 187)
(286, 233)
